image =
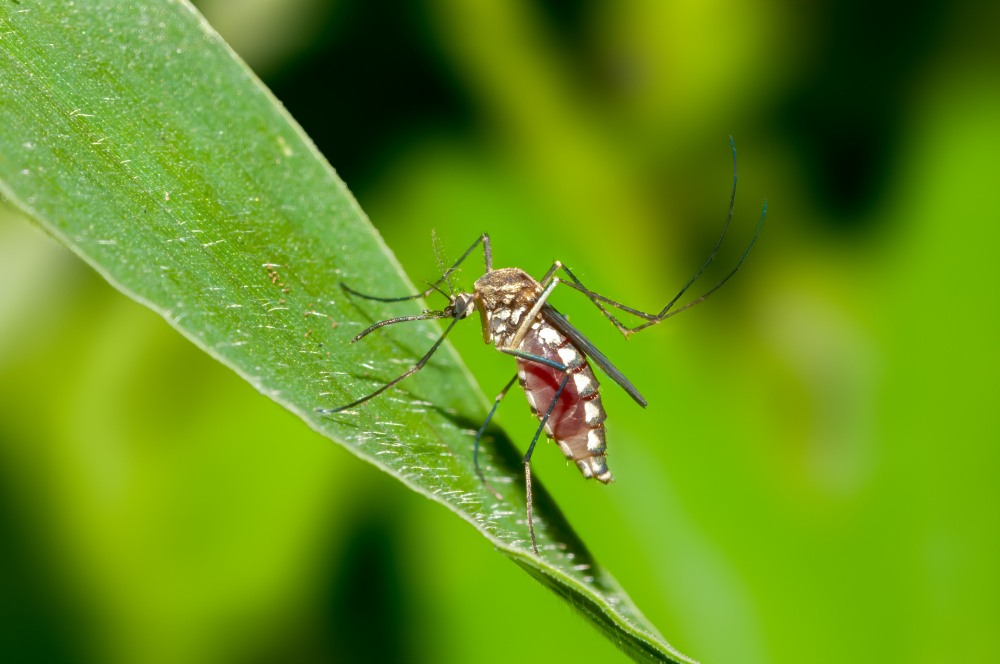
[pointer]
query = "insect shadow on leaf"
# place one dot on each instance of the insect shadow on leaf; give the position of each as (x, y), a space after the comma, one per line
(508, 461)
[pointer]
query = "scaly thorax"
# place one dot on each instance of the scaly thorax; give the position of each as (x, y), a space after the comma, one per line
(503, 298)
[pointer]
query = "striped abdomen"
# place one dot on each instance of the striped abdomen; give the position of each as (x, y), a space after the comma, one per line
(577, 420)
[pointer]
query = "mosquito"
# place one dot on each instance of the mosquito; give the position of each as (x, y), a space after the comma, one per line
(552, 355)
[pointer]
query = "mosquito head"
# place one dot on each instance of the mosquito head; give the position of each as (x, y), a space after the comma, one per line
(462, 305)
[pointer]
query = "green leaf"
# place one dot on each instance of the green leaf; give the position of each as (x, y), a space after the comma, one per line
(134, 135)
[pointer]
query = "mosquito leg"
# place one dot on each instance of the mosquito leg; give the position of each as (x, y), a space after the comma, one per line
(475, 453)
(666, 313)
(402, 319)
(716, 287)
(527, 460)
(597, 299)
(556, 267)
(531, 448)
(414, 369)
(545, 418)
(530, 318)
(653, 319)
(534, 358)
(729, 218)
(488, 254)
(527, 493)
(548, 275)
(593, 296)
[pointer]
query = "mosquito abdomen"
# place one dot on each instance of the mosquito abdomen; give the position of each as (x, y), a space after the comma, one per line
(577, 419)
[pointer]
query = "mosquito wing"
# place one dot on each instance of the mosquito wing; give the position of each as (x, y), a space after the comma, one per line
(559, 321)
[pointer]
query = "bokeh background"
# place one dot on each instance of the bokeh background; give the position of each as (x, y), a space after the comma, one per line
(817, 477)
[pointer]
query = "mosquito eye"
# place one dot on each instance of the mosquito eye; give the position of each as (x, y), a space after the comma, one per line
(464, 306)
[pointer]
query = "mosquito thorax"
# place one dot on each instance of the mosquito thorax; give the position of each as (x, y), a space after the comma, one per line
(503, 297)
(509, 287)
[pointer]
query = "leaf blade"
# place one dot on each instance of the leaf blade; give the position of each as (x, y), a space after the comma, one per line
(140, 141)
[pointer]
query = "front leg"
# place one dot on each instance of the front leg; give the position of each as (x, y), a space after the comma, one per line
(487, 258)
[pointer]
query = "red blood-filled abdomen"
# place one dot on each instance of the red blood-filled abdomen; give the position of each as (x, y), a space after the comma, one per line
(576, 420)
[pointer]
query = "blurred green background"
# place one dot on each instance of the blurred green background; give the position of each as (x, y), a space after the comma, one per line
(817, 477)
